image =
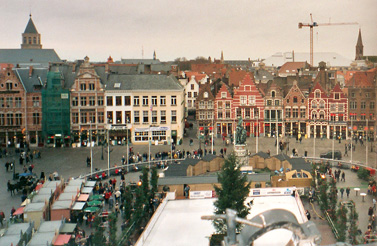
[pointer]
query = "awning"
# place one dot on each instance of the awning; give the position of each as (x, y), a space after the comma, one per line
(78, 206)
(96, 197)
(94, 203)
(91, 209)
(83, 198)
(38, 187)
(90, 183)
(26, 202)
(19, 211)
(68, 228)
(87, 190)
(62, 239)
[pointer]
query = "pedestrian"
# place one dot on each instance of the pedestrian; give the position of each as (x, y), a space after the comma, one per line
(187, 191)
(345, 152)
(370, 212)
(224, 151)
(343, 177)
(348, 190)
(308, 214)
(341, 192)
(2, 217)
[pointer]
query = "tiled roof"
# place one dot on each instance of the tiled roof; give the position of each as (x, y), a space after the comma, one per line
(235, 76)
(359, 79)
(34, 82)
(291, 67)
(180, 169)
(26, 57)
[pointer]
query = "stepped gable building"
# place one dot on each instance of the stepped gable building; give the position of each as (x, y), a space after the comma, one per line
(205, 105)
(295, 112)
(224, 112)
(338, 113)
(318, 112)
(361, 92)
(31, 52)
(248, 104)
(273, 111)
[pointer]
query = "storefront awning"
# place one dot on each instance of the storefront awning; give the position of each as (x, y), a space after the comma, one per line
(62, 239)
(83, 198)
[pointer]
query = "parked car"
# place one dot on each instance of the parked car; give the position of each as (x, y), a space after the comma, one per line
(329, 154)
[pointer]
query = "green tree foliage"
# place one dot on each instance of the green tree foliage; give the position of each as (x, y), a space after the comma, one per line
(127, 198)
(333, 198)
(145, 181)
(232, 193)
(353, 228)
(98, 239)
(154, 181)
(363, 173)
(323, 195)
(138, 206)
(341, 222)
(113, 227)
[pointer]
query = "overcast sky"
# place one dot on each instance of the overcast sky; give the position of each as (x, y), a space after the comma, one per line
(189, 28)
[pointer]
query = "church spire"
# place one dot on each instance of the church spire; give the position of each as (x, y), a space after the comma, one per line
(359, 47)
(154, 55)
(31, 39)
(222, 57)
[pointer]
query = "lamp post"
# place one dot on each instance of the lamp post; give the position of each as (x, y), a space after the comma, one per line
(108, 153)
(333, 139)
(91, 150)
(366, 143)
(212, 137)
(351, 136)
(256, 146)
(149, 147)
(314, 135)
(127, 147)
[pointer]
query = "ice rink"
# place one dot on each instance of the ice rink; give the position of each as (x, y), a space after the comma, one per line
(180, 224)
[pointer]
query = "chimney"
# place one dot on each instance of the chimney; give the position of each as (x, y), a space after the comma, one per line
(30, 71)
(293, 55)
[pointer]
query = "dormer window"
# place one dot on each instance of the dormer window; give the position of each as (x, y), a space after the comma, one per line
(273, 93)
(317, 94)
(205, 95)
(223, 94)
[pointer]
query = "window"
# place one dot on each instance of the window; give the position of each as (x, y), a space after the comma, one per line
(256, 112)
(83, 101)
(367, 95)
(353, 116)
(371, 105)
(127, 116)
(277, 102)
(18, 118)
(118, 101)
(100, 101)
(118, 117)
(353, 105)
(195, 94)
(333, 107)
(109, 101)
(189, 103)
(83, 86)
(371, 116)
(353, 94)
(302, 112)
(2, 120)
(173, 100)
(154, 116)
(101, 117)
(1, 102)
(158, 135)
(219, 104)
(247, 113)
(136, 101)
(110, 117)
(162, 100)
(174, 116)
(127, 101)
(136, 117)
(210, 115)
(92, 101)
(205, 95)
(145, 117)
(10, 119)
(145, 101)
(251, 100)
(91, 86)
(269, 102)
(34, 40)
(154, 100)
(9, 86)
(314, 104)
(363, 104)
(321, 104)
(243, 100)
(267, 114)
(223, 94)
(163, 116)
(201, 105)
(336, 96)
(210, 105)
(340, 117)
(273, 93)
(227, 104)
(288, 100)
(141, 136)
(192, 86)
(36, 119)
(10, 102)
(362, 117)
(219, 114)
(317, 94)
(202, 115)
(17, 102)
(288, 113)
(294, 99)
(189, 94)
(83, 117)
(322, 115)
(75, 101)
(238, 112)
(333, 117)
(92, 117)
(295, 113)
(75, 118)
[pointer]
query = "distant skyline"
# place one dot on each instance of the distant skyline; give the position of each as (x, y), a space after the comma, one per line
(189, 28)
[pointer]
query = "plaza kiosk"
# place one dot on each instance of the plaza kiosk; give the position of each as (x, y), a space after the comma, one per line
(47, 232)
(35, 211)
(61, 209)
(15, 232)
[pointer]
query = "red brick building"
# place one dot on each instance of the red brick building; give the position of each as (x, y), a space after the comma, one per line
(273, 109)
(224, 113)
(248, 103)
(338, 111)
(318, 112)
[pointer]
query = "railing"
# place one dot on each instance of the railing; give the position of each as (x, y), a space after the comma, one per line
(331, 223)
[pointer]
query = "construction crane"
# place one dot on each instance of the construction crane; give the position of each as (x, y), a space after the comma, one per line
(315, 24)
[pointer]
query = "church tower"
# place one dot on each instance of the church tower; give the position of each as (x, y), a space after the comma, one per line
(31, 39)
(359, 47)
(222, 57)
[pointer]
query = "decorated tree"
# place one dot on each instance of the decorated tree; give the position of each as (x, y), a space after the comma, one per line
(98, 239)
(323, 196)
(341, 222)
(232, 193)
(353, 228)
(127, 201)
(112, 227)
(333, 198)
(154, 181)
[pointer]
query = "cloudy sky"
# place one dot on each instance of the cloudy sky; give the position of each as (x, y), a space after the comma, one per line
(189, 28)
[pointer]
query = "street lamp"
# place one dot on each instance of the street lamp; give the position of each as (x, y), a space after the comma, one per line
(256, 146)
(127, 146)
(366, 143)
(91, 150)
(314, 134)
(333, 138)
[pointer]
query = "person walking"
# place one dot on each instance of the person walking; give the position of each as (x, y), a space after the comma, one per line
(348, 190)
(343, 177)
(370, 212)
(308, 214)
(341, 192)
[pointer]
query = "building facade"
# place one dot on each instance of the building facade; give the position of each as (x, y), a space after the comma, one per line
(318, 113)
(205, 105)
(273, 111)
(224, 115)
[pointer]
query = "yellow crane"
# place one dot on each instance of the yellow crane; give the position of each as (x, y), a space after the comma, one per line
(315, 24)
